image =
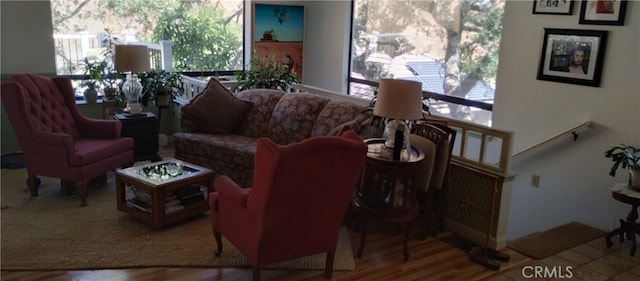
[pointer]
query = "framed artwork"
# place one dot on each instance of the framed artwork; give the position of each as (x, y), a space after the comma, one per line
(604, 12)
(572, 56)
(278, 32)
(553, 7)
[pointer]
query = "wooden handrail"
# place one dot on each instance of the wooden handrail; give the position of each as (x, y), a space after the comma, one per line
(573, 131)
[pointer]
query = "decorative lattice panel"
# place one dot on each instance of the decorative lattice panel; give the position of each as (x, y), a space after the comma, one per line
(470, 194)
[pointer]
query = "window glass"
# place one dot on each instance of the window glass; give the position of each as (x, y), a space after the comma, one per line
(450, 46)
(205, 35)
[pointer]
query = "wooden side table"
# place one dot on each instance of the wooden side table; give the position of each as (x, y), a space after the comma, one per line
(144, 130)
(388, 190)
(628, 228)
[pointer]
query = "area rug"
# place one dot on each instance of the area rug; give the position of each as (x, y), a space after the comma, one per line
(544, 244)
(52, 232)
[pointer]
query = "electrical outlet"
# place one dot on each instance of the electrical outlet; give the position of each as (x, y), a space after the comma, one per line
(535, 180)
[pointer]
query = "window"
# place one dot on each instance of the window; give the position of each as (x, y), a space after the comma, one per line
(205, 36)
(450, 46)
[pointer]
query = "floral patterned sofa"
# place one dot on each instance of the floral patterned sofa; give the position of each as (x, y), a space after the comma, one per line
(282, 117)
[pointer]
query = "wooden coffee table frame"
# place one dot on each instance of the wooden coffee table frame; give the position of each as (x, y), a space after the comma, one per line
(158, 189)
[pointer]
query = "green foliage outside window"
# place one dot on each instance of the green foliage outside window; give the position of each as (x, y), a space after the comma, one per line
(202, 40)
(206, 34)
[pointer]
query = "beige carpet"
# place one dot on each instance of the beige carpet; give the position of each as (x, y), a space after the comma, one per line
(544, 244)
(52, 232)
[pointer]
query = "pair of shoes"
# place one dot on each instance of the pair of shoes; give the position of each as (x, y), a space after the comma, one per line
(486, 257)
(497, 255)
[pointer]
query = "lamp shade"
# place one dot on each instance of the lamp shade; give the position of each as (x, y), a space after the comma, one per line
(399, 99)
(131, 58)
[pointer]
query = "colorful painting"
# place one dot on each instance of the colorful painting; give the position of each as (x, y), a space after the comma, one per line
(278, 32)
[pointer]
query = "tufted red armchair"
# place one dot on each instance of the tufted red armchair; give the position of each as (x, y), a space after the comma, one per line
(56, 140)
(297, 201)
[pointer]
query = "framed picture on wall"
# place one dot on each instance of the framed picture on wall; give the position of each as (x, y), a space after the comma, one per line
(278, 33)
(572, 56)
(604, 12)
(553, 7)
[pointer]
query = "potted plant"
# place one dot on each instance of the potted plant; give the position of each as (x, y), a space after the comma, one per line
(93, 70)
(111, 78)
(110, 83)
(160, 86)
(627, 157)
(265, 73)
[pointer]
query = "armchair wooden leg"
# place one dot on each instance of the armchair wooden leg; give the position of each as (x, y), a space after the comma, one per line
(218, 237)
(256, 273)
(66, 187)
(33, 185)
(328, 266)
(82, 190)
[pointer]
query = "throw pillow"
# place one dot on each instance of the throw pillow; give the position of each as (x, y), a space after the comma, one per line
(216, 109)
(348, 126)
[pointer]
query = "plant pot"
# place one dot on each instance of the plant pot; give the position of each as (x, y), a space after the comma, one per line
(163, 100)
(90, 95)
(634, 180)
(110, 93)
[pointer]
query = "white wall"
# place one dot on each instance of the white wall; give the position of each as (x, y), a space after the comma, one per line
(326, 44)
(26, 38)
(26, 33)
(574, 181)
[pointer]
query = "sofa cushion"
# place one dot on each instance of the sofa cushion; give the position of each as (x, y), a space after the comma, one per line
(256, 122)
(294, 116)
(334, 114)
(348, 126)
(215, 109)
(90, 151)
(230, 155)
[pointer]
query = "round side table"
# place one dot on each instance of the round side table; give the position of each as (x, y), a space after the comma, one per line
(628, 228)
(388, 190)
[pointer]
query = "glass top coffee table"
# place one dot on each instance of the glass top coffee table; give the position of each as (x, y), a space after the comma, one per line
(163, 192)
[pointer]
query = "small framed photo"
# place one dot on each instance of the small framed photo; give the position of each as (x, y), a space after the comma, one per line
(553, 7)
(572, 56)
(603, 12)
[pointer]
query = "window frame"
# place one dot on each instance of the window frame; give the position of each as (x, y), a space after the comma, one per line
(434, 96)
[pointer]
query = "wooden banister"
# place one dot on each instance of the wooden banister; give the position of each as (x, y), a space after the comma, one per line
(573, 131)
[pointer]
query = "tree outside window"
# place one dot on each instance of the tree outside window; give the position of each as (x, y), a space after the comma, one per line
(206, 34)
(451, 46)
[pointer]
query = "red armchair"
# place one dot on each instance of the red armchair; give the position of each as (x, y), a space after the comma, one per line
(299, 196)
(56, 140)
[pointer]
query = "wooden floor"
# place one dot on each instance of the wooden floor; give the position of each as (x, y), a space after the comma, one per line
(441, 258)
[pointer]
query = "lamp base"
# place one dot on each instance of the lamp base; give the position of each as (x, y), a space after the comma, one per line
(133, 108)
(396, 135)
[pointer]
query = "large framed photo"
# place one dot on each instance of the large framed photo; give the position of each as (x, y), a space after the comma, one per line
(572, 56)
(604, 12)
(553, 7)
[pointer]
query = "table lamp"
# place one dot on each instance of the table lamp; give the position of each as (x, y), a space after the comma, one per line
(131, 59)
(398, 100)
